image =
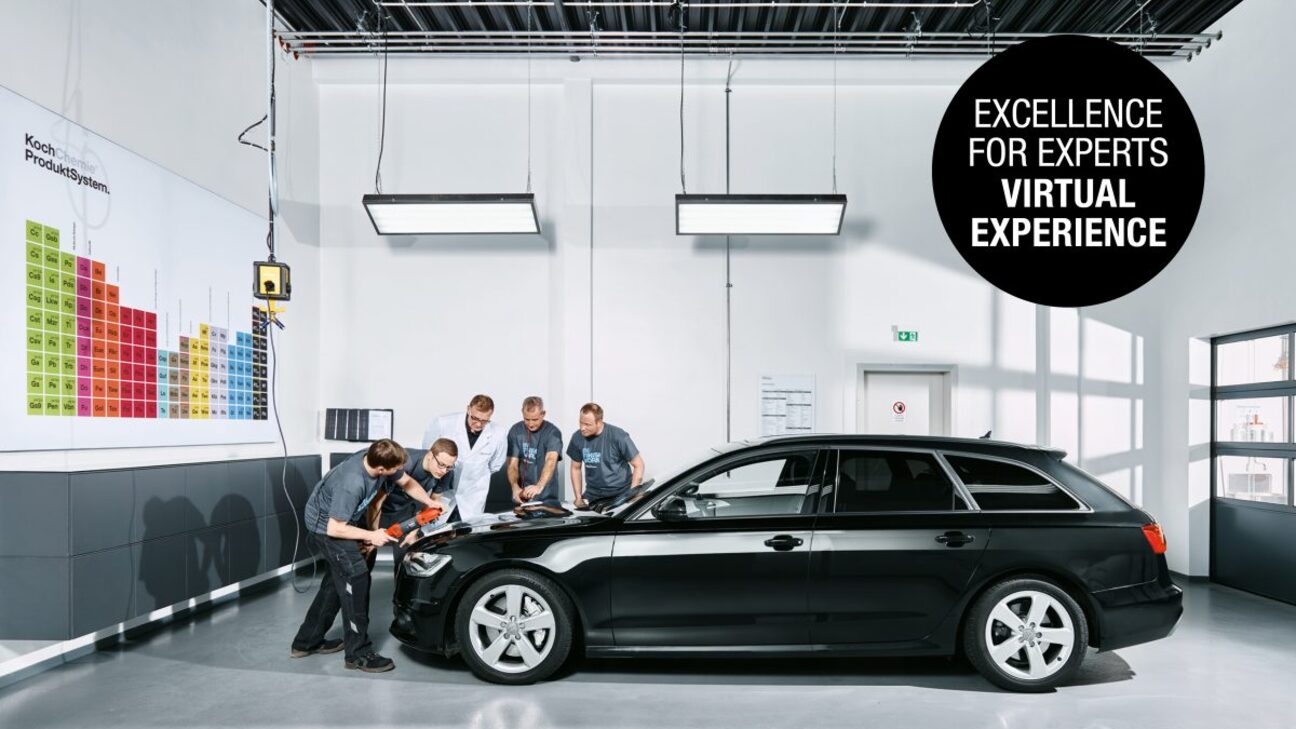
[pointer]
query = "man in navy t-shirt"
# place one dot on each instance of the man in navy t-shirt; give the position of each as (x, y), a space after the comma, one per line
(534, 449)
(611, 461)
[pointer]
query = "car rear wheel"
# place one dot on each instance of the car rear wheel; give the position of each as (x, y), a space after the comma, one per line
(514, 627)
(1026, 634)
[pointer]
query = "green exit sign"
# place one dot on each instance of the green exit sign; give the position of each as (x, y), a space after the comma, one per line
(906, 336)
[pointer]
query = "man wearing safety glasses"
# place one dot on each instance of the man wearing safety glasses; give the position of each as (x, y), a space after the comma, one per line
(482, 449)
(431, 469)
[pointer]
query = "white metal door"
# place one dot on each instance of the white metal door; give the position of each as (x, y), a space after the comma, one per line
(903, 403)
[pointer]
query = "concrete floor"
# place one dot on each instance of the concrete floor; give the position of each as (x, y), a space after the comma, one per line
(14, 648)
(1230, 664)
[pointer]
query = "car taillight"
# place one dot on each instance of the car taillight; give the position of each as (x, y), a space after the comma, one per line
(1155, 537)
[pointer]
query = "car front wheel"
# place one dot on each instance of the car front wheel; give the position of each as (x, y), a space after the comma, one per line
(1026, 634)
(514, 627)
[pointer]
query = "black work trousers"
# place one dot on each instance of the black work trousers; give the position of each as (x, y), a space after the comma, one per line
(345, 587)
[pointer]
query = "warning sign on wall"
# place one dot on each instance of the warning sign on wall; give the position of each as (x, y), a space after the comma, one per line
(898, 411)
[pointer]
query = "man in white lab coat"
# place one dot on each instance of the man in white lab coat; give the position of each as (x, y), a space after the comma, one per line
(482, 449)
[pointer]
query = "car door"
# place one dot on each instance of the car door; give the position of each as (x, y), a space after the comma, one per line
(894, 548)
(728, 566)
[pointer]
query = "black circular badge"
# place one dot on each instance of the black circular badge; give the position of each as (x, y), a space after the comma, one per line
(1068, 171)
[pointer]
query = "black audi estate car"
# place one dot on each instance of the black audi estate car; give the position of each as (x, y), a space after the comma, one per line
(808, 545)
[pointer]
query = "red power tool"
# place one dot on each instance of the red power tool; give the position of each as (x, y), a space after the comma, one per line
(427, 516)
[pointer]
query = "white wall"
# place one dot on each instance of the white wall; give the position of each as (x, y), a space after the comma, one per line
(175, 81)
(513, 316)
(1235, 271)
(421, 324)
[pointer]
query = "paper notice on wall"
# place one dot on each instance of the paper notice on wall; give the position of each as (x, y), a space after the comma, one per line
(787, 404)
(380, 424)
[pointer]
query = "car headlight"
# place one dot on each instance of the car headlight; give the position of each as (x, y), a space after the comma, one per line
(423, 564)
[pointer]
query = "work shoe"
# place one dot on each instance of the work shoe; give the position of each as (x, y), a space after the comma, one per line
(372, 663)
(327, 646)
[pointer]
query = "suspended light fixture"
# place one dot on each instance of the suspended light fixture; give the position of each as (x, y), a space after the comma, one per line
(760, 214)
(442, 214)
(464, 213)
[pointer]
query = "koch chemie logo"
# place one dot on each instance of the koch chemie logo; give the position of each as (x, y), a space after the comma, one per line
(57, 160)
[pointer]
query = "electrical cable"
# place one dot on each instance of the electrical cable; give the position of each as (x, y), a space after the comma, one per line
(591, 246)
(728, 270)
(283, 472)
(249, 128)
(382, 132)
(269, 330)
(681, 8)
(273, 192)
(837, 21)
(990, 24)
(530, 16)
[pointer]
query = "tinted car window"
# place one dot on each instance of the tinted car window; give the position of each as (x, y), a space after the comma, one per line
(893, 481)
(1000, 486)
(772, 486)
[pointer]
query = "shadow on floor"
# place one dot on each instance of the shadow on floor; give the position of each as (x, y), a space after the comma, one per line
(937, 673)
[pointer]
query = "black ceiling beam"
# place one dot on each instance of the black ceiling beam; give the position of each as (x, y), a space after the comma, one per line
(1015, 16)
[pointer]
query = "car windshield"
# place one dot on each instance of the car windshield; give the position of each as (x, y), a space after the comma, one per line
(655, 481)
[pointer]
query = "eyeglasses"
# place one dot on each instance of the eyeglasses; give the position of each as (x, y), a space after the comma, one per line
(477, 420)
(446, 466)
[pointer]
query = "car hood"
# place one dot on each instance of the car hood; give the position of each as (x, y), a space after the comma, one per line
(504, 524)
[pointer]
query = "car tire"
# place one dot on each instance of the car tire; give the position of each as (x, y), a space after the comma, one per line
(1026, 634)
(514, 627)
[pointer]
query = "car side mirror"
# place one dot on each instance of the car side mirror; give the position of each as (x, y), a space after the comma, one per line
(672, 509)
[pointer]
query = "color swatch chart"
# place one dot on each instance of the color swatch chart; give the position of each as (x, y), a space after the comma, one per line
(88, 356)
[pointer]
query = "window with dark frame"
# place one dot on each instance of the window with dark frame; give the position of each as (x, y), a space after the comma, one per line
(1000, 486)
(880, 481)
(775, 485)
(1252, 391)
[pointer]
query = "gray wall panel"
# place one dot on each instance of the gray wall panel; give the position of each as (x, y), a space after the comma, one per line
(279, 535)
(211, 556)
(162, 505)
(102, 513)
(124, 542)
(102, 590)
(301, 477)
(248, 480)
(245, 550)
(207, 485)
(34, 515)
(1254, 550)
(35, 604)
(160, 570)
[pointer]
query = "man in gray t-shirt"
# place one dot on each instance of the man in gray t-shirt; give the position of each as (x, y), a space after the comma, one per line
(337, 518)
(346, 492)
(611, 462)
(534, 449)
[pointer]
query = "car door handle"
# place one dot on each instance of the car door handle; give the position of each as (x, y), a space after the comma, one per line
(784, 542)
(955, 539)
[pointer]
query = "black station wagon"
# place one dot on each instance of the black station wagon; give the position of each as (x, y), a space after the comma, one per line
(808, 545)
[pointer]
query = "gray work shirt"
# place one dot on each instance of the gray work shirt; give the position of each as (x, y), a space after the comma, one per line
(531, 449)
(607, 459)
(344, 494)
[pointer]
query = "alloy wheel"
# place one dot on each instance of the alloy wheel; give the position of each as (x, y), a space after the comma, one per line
(511, 628)
(1029, 635)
